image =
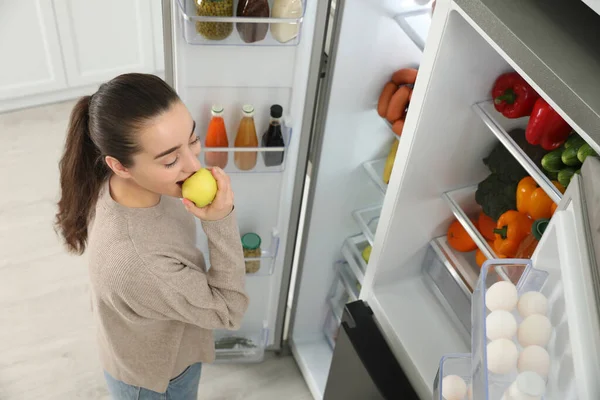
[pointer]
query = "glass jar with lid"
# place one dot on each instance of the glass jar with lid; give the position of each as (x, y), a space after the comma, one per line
(251, 245)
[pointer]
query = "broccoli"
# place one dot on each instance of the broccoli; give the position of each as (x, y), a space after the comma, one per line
(496, 195)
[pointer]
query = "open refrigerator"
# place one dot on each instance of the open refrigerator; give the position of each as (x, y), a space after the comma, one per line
(328, 78)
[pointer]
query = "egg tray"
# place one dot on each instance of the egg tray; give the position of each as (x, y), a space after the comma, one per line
(452, 364)
(491, 386)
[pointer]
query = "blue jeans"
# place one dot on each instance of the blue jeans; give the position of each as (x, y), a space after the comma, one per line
(183, 387)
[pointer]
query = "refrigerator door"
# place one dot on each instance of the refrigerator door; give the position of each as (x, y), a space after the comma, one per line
(363, 366)
(578, 248)
(232, 73)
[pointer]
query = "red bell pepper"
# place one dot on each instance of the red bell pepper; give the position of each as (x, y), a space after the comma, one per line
(513, 97)
(546, 127)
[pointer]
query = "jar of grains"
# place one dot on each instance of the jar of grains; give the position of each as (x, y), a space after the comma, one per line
(214, 8)
(251, 245)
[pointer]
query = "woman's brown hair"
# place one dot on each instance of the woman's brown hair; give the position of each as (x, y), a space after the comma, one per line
(101, 125)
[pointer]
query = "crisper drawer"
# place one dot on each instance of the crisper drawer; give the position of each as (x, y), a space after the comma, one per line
(441, 266)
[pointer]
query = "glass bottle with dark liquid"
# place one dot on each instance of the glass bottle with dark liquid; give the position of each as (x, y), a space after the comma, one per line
(273, 137)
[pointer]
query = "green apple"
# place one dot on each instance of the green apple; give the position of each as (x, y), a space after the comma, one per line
(366, 253)
(201, 188)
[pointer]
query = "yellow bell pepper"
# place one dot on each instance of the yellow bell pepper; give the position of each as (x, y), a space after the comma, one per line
(533, 201)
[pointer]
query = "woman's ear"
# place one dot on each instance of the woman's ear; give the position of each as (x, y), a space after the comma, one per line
(116, 167)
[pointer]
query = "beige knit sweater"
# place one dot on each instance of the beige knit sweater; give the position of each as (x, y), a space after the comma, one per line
(154, 303)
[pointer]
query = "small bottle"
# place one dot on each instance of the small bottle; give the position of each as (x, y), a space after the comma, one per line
(273, 137)
(216, 136)
(528, 245)
(246, 137)
(251, 245)
(285, 32)
(253, 32)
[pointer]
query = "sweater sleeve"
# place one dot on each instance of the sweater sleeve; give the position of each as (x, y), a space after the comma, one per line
(212, 300)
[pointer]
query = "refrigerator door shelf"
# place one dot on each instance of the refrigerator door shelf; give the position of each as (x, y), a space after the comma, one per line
(464, 207)
(266, 157)
(416, 25)
(453, 364)
(374, 170)
(367, 219)
(267, 258)
(561, 381)
(190, 21)
(241, 346)
(500, 127)
(352, 252)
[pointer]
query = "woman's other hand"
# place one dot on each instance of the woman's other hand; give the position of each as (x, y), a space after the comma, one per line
(221, 206)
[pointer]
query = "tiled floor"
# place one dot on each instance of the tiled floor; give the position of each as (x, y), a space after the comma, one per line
(47, 343)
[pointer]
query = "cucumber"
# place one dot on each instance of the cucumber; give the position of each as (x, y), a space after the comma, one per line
(565, 175)
(552, 162)
(573, 140)
(569, 156)
(584, 152)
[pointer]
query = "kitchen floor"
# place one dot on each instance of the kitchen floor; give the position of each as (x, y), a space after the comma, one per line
(47, 343)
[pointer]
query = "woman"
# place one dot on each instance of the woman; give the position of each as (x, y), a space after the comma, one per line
(128, 150)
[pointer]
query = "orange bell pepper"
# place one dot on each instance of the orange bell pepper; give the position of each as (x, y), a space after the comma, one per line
(533, 201)
(511, 229)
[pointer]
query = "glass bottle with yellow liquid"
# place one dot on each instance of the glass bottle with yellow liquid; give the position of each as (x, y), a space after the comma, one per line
(246, 137)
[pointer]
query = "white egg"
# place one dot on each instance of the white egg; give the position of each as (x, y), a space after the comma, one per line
(502, 356)
(501, 296)
(532, 303)
(535, 329)
(536, 359)
(500, 324)
(527, 386)
(454, 387)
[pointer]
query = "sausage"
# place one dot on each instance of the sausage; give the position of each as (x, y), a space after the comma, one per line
(405, 76)
(398, 104)
(398, 126)
(410, 95)
(384, 99)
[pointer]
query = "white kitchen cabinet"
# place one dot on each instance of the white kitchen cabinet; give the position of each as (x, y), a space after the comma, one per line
(62, 49)
(30, 49)
(104, 38)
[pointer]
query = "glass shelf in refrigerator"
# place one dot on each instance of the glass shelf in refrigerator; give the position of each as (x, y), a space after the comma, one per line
(415, 24)
(352, 251)
(331, 328)
(268, 159)
(244, 346)
(350, 283)
(367, 219)
(464, 207)
(225, 30)
(457, 367)
(500, 127)
(265, 264)
(338, 296)
(374, 170)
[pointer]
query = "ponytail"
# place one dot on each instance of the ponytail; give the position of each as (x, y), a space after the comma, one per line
(105, 124)
(82, 172)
